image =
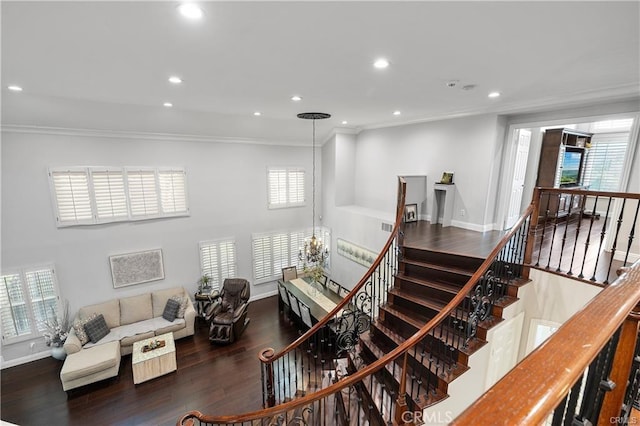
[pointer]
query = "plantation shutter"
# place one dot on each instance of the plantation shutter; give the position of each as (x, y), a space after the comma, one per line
(262, 269)
(296, 187)
(15, 319)
(43, 296)
(73, 200)
(173, 194)
(605, 161)
(218, 261)
(143, 194)
(277, 187)
(110, 195)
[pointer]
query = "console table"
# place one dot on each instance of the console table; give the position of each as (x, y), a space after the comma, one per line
(443, 197)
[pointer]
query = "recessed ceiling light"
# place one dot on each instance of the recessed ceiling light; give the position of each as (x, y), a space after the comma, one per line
(15, 88)
(381, 63)
(296, 98)
(396, 113)
(345, 122)
(494, 94)
(190, 10)
(168, 104)
(175, 79)
(257, 113)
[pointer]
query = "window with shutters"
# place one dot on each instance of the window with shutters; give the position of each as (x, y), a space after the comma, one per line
(218, 260)
(605, 161)
(285, 187)
(276, 250)
(28, 298)
(93, 195)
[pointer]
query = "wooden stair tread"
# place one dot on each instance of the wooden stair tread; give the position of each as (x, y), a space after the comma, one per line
(438, 285)
(454, 372)
(443, 268)
(472, 345)
(426, 398)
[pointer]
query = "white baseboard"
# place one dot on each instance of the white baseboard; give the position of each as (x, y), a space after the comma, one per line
(473, 226)
(25, 359)
(264, 295)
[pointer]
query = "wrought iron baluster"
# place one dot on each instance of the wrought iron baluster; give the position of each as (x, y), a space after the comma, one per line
(632, 233)
(587, 241)
(602, 235)
(615, 241)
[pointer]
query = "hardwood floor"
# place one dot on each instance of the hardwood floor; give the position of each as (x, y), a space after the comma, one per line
(216, 380)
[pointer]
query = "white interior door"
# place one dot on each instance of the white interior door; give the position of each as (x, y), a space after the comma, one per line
(523, 138)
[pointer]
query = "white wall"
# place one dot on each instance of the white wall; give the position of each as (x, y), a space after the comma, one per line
(227, 193)
(466, 146)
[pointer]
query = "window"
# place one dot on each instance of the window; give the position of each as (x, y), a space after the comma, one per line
(92, 195)
(286, 187)
(605, 161)
(218, 260)
(28, 298)
(277, 250)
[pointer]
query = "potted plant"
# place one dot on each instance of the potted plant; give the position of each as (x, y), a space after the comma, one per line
(57, 327)
(204, 284)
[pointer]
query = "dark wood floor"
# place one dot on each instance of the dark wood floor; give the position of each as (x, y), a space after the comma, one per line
(216, 380)
(449, 239)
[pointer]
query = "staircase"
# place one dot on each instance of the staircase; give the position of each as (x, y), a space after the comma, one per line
(426, 281)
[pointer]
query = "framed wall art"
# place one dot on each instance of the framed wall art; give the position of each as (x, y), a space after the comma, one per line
(136, 268)
(351, 251)
(411, 213)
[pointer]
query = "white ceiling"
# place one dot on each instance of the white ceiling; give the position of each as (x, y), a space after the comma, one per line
(253, 56)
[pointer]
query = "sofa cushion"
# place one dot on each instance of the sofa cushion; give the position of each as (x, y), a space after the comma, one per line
(130, 340)
(171, 310)
(110, 311)
(90, 361)
(160, 297)
(96, 328)
(135, 308)
(163, 326)
(78, 326)
(183, 304)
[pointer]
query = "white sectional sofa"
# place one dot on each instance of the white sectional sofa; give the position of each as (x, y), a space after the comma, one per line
(129, 319)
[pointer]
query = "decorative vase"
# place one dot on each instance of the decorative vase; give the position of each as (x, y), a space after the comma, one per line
(58, 352)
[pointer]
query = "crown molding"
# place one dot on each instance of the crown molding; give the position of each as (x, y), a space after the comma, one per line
(116, 134)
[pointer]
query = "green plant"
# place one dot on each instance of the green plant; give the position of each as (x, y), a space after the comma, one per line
(204, 282)
(313, 271)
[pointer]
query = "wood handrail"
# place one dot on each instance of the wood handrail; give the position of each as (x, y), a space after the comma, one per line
(632, 195)
(544, 377)
(380, 363)
(399, 215)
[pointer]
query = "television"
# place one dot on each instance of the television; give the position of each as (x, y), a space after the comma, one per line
(571, 168)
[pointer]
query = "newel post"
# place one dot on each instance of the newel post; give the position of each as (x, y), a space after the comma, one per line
(531, 238)
(621, 368)
(401, 402)
(268, 393)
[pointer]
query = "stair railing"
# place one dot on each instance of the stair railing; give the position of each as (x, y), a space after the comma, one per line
(298, 368)
(585, 234)
(431, 354)
(583, 374)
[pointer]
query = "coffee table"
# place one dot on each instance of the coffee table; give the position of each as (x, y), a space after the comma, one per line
(153, 363)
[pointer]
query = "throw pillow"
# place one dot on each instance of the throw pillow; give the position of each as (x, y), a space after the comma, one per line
(170, 310)
(96, 328)
(78, 326)
(183, 305)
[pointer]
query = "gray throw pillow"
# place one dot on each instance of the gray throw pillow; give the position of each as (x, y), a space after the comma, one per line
(171, 310)
(96, 329)
(183, 305)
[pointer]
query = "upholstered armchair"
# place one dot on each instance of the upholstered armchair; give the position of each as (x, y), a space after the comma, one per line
(227, 316)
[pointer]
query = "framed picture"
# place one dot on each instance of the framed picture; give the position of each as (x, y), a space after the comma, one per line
(447, 177)
(136, 268)
(411, 213)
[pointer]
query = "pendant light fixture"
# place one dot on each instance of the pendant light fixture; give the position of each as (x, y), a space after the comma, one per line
(314, 253)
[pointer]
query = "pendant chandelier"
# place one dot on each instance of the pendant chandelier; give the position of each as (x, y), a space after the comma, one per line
(314, 252)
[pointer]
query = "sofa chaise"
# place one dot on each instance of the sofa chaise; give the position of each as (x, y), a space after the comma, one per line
(129, 320)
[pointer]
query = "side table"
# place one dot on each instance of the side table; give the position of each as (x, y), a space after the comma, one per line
(203, 301)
